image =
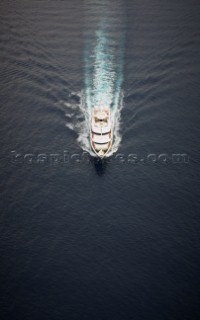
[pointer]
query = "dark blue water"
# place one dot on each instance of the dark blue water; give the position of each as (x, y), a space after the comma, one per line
(80, 239)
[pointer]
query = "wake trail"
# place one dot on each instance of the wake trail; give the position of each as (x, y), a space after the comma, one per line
(103, 60)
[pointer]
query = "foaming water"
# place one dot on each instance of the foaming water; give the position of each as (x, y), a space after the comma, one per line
(103, 67)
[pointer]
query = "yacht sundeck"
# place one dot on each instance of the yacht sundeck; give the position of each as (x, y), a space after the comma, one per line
(101, 135)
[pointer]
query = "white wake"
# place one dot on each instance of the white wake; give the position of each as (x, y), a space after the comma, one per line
(103, 67)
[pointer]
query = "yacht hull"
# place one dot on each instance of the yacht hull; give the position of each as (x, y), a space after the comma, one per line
(96, 151)
(101, 132)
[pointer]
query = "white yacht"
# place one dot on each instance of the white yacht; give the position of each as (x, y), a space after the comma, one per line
(101, 134)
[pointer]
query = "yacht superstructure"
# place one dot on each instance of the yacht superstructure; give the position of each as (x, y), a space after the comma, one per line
(101, 135)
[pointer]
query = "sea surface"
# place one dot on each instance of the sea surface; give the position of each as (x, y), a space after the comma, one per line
(117, 239)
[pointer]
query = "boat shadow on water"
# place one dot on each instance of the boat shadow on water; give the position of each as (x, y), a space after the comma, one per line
(99, 165)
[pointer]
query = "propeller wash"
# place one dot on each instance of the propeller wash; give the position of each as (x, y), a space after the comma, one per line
(102, 97)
